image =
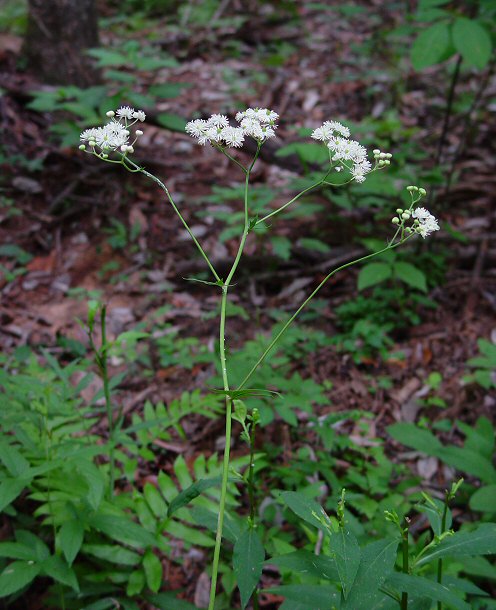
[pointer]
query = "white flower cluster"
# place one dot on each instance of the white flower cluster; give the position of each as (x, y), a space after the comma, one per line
(259, 123)
(115, 134)
(424, 223)
(336, 137)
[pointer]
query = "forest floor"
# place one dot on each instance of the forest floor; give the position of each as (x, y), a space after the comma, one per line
(65, 215)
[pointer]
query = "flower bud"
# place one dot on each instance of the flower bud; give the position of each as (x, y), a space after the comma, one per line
(388, 155)
(405, 215)
(82, 147)
(376, 151)
(387, 162)
(408, 230)
(110, 114)
(395, 220)
(422, 192)
(139, 132)
(104, 156)
(130, 149)
(399, 210)
(92, 143)
(382, 155)
(410, 188)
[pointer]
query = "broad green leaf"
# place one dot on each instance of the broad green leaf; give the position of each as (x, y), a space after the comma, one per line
(377, 562)
(412, 436)
(190, 493)
(418, 587)
(472, 41)
(307, 509)
(95, 480)
(481, 541)
(39, 549)
(411, 275)
(373, 274)
(316, 597)
(16, 576)
(153, 571)
(122, 530)
(10, 489)
(206, 518)
(136, 583)
(13, 460)
(484, 499)
(155, 500)
(468, 461)
(430, 46)
(281, 246)
(57, 568)
(70, 538)
(345, 547)
(169, 601)
(311, 243)
(174, 122)
(248, 558)
(15, 550)
(305, 562)
(113, 553)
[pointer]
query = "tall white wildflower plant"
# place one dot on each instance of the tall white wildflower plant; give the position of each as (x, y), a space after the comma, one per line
(115, 142)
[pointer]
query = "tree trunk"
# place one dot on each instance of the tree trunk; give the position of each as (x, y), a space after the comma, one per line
(58, 33)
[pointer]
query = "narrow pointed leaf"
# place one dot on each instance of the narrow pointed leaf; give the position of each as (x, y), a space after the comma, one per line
(248, 561)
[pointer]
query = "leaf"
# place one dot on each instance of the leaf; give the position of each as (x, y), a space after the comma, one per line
(314, 244)
(248, 557)
(412, 436)
(14, 461)
(305, 562)
(316, 597)
(174, 122)
(411, 275)
(57, 568)
(372, 274)
(95, 480)
(484, 499)
(155, 500)
(417, 586)
(206, 518)
(281, 246)
(70, 538)
(468, 461)
(472, 41)
(377, 562)
(153, 571)
(16, 576)
(169, 601)
(10, 489)
(113, 553)
(15, 550)
(481, 541)
(122, 530)
(190, 493)
(345, 546)
(430, 46)
(307, 509)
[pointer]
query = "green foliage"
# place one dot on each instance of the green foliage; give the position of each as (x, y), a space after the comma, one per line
(450, 34)
(484, 365)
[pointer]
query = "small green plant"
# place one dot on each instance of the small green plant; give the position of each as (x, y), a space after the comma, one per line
(484, 365)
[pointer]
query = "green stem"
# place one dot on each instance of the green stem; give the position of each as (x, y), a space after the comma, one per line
(251, 481)
(176, 210)
(440, 561)
(404, 546)
(106, 391)
(283, 207)
(225, 381)
(308, 299)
